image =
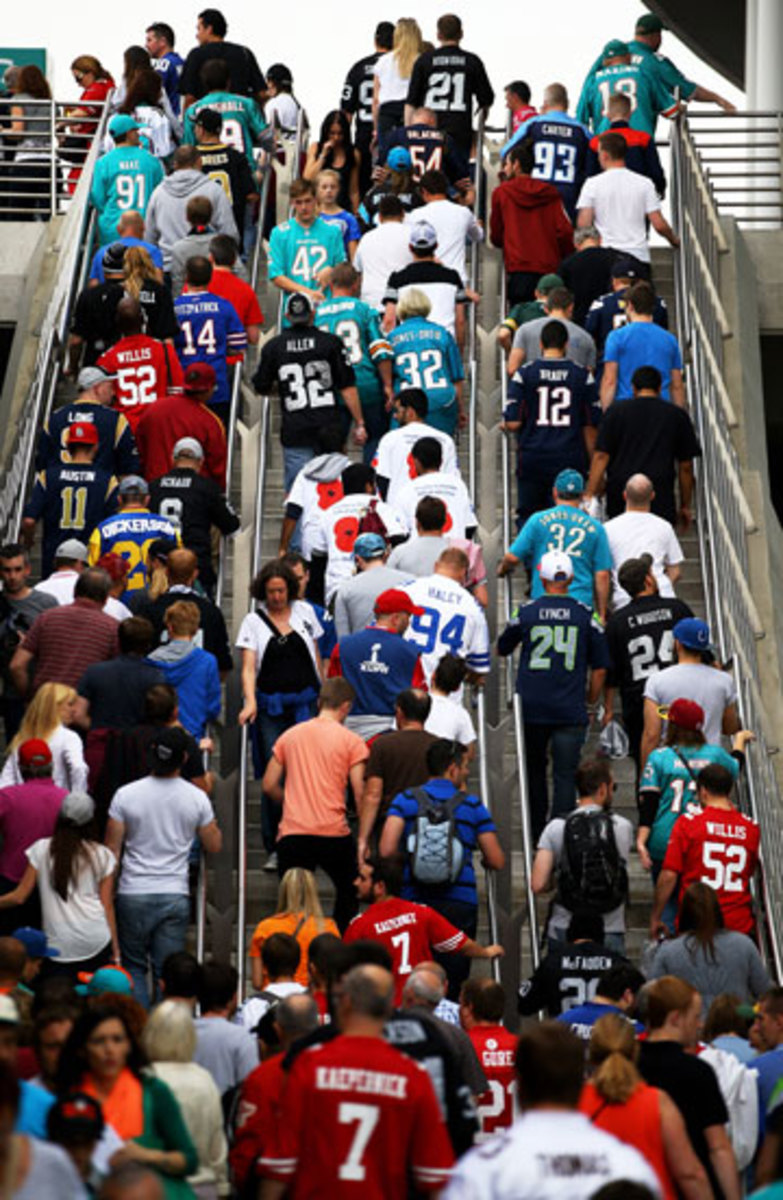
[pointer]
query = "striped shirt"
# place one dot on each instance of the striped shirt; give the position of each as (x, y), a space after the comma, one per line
(66, 640)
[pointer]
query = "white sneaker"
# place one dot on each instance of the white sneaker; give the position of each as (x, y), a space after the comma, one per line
(271, 863)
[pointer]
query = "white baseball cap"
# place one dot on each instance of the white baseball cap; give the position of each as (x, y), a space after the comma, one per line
(188, 445)
(555, 567)
(78, 807)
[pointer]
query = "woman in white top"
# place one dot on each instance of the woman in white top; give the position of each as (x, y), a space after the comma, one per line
(393, 75)
(48, 716)
(448, 718)
(281, 109)
(75, 877)
(148, 103)
(169, 1039)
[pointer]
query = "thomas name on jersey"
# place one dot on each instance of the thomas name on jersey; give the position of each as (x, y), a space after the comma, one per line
(367, 1083)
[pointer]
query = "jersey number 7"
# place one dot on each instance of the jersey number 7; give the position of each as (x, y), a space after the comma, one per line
(365, 1117)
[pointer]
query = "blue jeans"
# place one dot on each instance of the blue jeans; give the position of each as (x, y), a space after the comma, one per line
(150, 927)
(294, 458)
(564, 742)
(269, 730)
(672, 905)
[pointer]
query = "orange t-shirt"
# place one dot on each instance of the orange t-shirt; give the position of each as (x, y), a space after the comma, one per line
(287, 923)
(637, 1123)
(317, 756)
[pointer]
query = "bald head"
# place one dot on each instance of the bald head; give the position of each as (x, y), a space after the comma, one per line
(181, 567)
(367, 993)
(296, 1017)
(133, 1181)
(131, 224)
(639, 493)
(129, 318)
(424, 116)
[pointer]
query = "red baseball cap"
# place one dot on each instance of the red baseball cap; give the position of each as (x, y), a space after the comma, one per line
(394, 600)
(82, 433)
(200, 377)
(34, 752)
(687, 714)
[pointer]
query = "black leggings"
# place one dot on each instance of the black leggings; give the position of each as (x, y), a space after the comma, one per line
(337, 857)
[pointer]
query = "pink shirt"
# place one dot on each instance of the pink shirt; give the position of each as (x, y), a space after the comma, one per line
(28, 811)
(317, 756)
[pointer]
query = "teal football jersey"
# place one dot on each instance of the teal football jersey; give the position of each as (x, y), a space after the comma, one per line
(358, 327)
(124, 179)
(243, 122)
(646, 92)
(573, 532)
(300, 253)
(675, 782)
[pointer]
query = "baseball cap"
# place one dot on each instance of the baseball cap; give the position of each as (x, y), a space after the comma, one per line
(75, 1118)
(633, 572)
(399, 158)
(130, 484)
(90, 377)
(35, 942)
(106, 979)
(200, 377)
(369, 545)
(280, 74)
(555, 567)
(692, 633)
(394, 600)
(615, 49)
(170, 747)
(423, 236)
(114, 258)
(72, 548)
(570, 482)
(649, 23)
(34, 752)
(160, 548)
(625, 268)
(121, 124)
(209, 119)
(188, 445)
(82, 433)
(115, 565)
(748, 1012)
(78, 807)
(9, 1013)
(686, 713)
(548, 283)
(299, 308)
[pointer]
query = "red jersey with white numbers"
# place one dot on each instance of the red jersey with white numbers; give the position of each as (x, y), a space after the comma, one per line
(718, 846)
(410, 932)
(357, 1117)
(146, 369)
(496, 1050)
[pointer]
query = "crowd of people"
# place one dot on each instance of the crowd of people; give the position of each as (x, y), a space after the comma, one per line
(365, 1057)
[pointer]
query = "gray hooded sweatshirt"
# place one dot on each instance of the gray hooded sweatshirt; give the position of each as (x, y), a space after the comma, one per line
(165, 220)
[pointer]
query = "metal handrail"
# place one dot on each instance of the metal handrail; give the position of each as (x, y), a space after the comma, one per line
(485, 790)
(473, 321)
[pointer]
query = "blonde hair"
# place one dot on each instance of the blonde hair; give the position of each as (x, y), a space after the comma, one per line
(298, 894)
(137, 267)
(42, 717)
(612, 1055)
(414, 303)
(170, 1035)
(407, 45)
(182, 618)
(327, 173)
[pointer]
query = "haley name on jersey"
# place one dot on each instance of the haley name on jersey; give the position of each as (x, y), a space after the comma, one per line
(410, 932)
(70, 501)
(496, 1050)
(339, 529)
(718, 846)
(300, 253)
(358, 327)
(560, 146)
(209, 331)
(670, 775)
(553, 400)
(146, 369)
(394, 462)
(460, 517)
(644, 89)
(426, 356)
(130, 534)
(452, 623)
(242, 126)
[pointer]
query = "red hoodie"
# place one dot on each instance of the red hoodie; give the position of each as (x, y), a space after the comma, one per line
(529, 223)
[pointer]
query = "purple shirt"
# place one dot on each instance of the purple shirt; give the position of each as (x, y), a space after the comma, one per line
(28, 811)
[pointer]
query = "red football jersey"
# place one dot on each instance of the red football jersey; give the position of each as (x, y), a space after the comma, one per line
(410, 932)
(146, 369)
(357, 1116)
(496, 1050)
(258, 1112)
(720, 847)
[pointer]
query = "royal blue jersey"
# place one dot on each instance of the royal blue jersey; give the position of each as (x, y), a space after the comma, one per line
(209, 330)
(583, 1017)
(609, 312)
(130, 533)
(70, 500)
(169, 67)
(347, 224)
(96, 266)
(117, 451)
(358, 327)
(639, 344)
(426, 356)
(378, 664)
(560, 145)
(559, 642)
(553, 398)
(572, 531)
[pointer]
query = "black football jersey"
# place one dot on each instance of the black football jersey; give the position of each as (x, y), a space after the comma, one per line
(566, 978)
(195, 504)
(357, 94)
(232, 171)
(640, 642)
(309, 367)
(448, 80)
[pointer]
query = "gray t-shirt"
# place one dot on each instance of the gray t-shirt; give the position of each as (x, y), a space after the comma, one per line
(355, 598)
(552, 839)
(581, 347)
(737, 967)
(712, 689)
(227, 1051)
(22, 617)
(51, 1173)
(418, 555)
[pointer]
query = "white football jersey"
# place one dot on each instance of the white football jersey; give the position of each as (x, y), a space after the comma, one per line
(453, 623)
(451, 489)
(338, 529)
(315, 495)
(547, 1156)
(393, 459)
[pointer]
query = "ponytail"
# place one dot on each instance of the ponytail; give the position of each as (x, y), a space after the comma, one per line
(612, 1055)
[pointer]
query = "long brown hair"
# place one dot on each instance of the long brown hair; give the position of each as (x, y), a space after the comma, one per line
(701, 917)
(72, 847)
(612, 1055)
(87, 64)
(33, 82)
(145, 87)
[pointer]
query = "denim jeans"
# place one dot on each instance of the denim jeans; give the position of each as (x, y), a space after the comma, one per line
(672, 905)
(150, 927)
(564, 742)
(269, 730)
(294, 458)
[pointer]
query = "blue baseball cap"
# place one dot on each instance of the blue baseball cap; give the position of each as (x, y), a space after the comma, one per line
(35, 943)
(106, 979)
(692, 633)
(369, 545)
(122, 124)
(570, 483)
(399, 158)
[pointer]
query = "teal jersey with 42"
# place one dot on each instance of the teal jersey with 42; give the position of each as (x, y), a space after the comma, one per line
(243, 123)
(358, 327)
(300, 253)
(573, 532)
(639, 83)
(675, 782)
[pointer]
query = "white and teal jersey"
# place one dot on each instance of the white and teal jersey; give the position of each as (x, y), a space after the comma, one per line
(669, 75)
(124, 179)
(300, 253)
(644, 89)
(426, 356)
(576, 534)
(243, 122)
(358, 327)
(674, 782)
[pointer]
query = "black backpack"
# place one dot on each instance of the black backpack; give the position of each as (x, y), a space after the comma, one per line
(592, 874)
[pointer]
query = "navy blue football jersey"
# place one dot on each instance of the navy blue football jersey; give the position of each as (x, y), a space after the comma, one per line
(70, 500)
(553, 398)
(608, 312)
(560, 146)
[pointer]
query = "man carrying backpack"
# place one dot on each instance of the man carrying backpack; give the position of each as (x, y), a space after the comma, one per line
(585, 854)
(439, 826)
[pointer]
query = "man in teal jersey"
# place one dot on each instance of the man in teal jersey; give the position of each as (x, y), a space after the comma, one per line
(426, 356)
(367, 350)
(124, 179)
(304, 250)
(639, 83)
(243, 125)
(568, 529)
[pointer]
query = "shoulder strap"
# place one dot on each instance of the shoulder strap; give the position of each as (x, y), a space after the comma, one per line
(685, 763)
(268, 622)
